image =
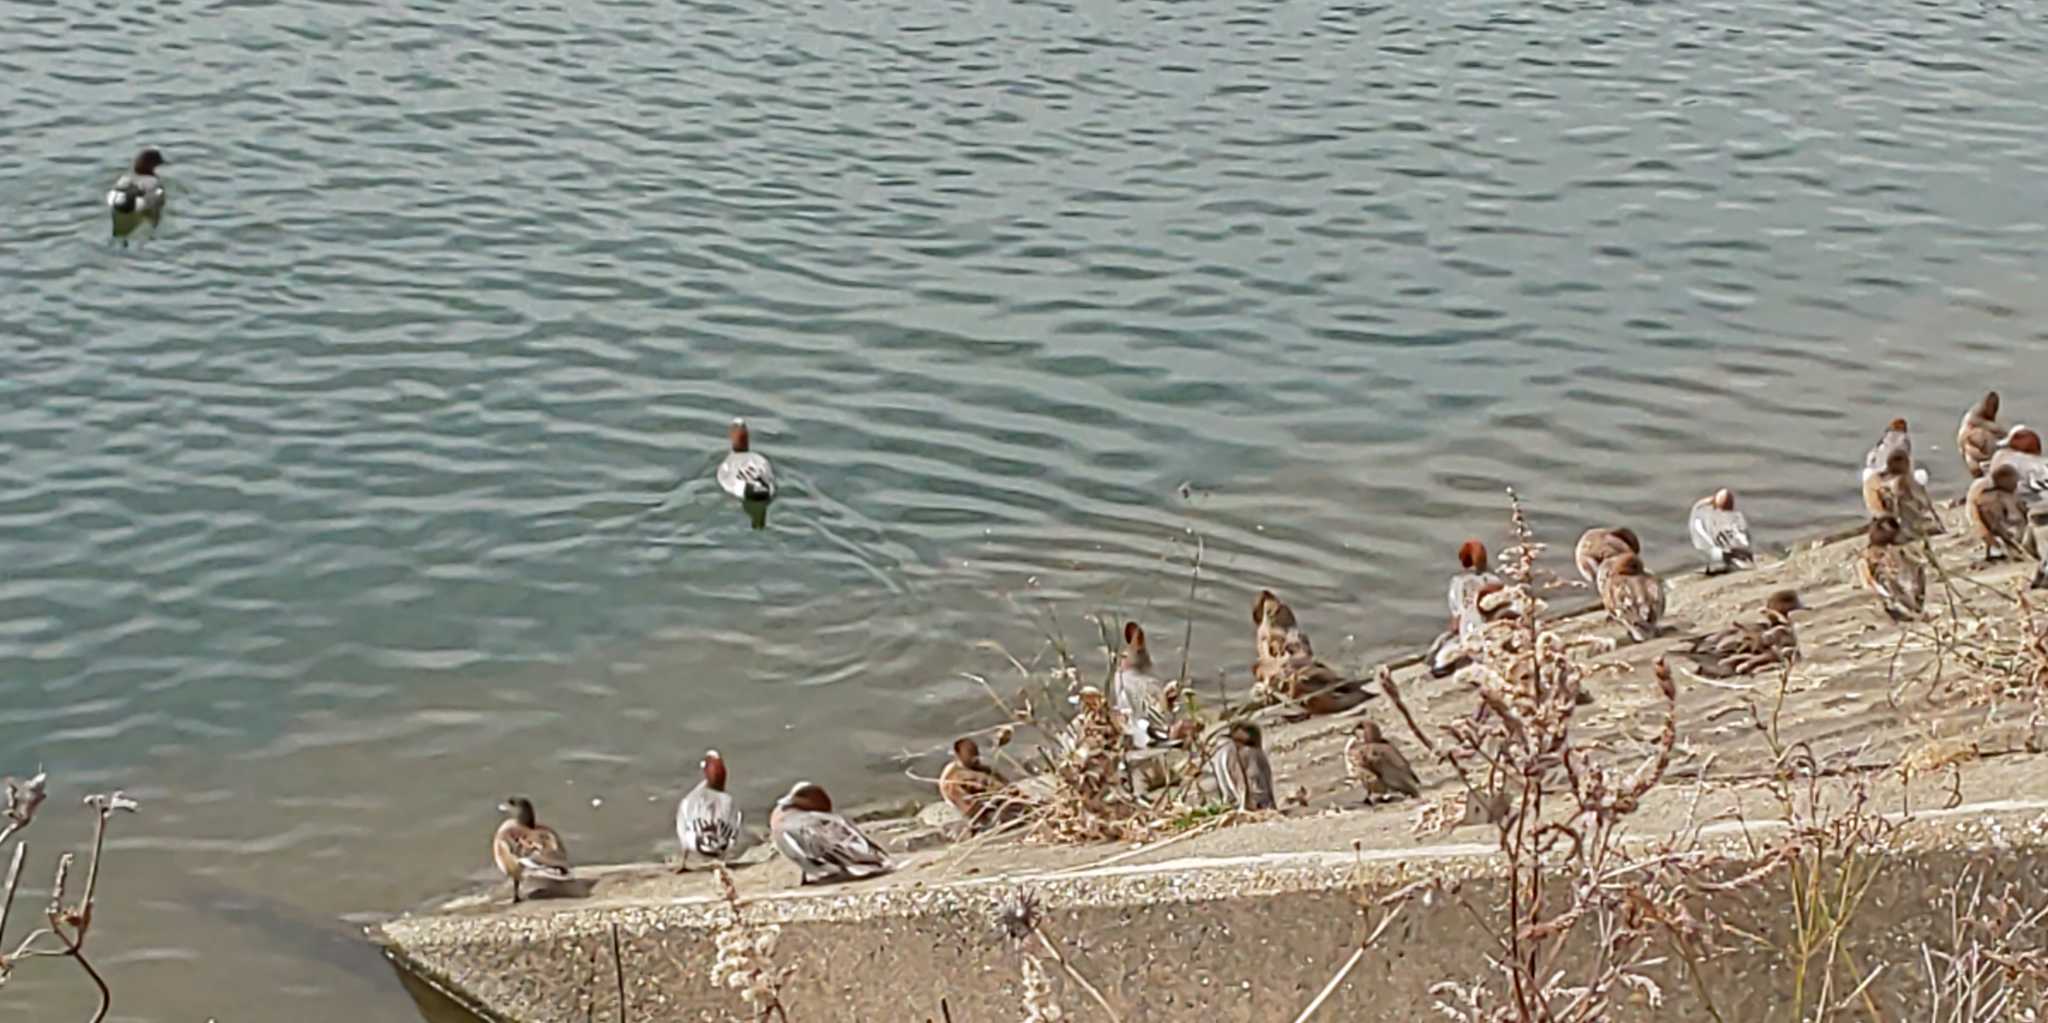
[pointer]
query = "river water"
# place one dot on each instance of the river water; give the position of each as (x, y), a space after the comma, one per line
(376, 486)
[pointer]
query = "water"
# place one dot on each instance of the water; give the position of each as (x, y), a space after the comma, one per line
(377, 486)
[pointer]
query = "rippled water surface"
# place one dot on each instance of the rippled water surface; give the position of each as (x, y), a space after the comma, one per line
(376, 486)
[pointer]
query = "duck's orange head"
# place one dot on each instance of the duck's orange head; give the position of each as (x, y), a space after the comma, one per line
(1472, 555)
(738, 433)
(1724, 499)
(713, 767)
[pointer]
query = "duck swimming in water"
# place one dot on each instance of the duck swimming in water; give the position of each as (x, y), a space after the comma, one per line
(137, 196)
(746, 473)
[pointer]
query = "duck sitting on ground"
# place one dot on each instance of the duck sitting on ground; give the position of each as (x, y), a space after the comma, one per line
(707, 819)
(1285, 666)
(1633, 596)
(523, 847)
(973, 788)
(1892, 571)
(1744, 648)
(1598, 545)
(1242, 773)
(824, 846)
(1721, 533)
(1977, 439)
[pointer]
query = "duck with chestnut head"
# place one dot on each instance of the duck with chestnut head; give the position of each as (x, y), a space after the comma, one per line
(707, 819)
(1599, 545)
(1476, 574)
(825, 846)
(2022, 451)
(1978, 437)
(747, 474)
(1720, 532)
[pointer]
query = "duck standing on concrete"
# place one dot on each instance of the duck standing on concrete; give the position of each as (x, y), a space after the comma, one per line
(1632, 596)
(1744, 648)
(1894, 438)
(137, 197)
(1243, 774)
(1721, 533)
(1997, 516)
(2022, 451)
(707, 819)
(1892, 571)
(824, 846)
(973, 787)
(1896, 492)
(1286, 667)
(1977, 439)
(1147, 702)
(1599, 545)
(523, 847)
(1377, 764)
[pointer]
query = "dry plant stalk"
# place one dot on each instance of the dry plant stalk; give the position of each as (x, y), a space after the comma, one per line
(68, 925)
(746, 958)
(1994, 966)
(1570, 879)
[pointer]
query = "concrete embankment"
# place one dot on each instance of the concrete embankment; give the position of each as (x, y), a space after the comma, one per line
(1249, 922)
